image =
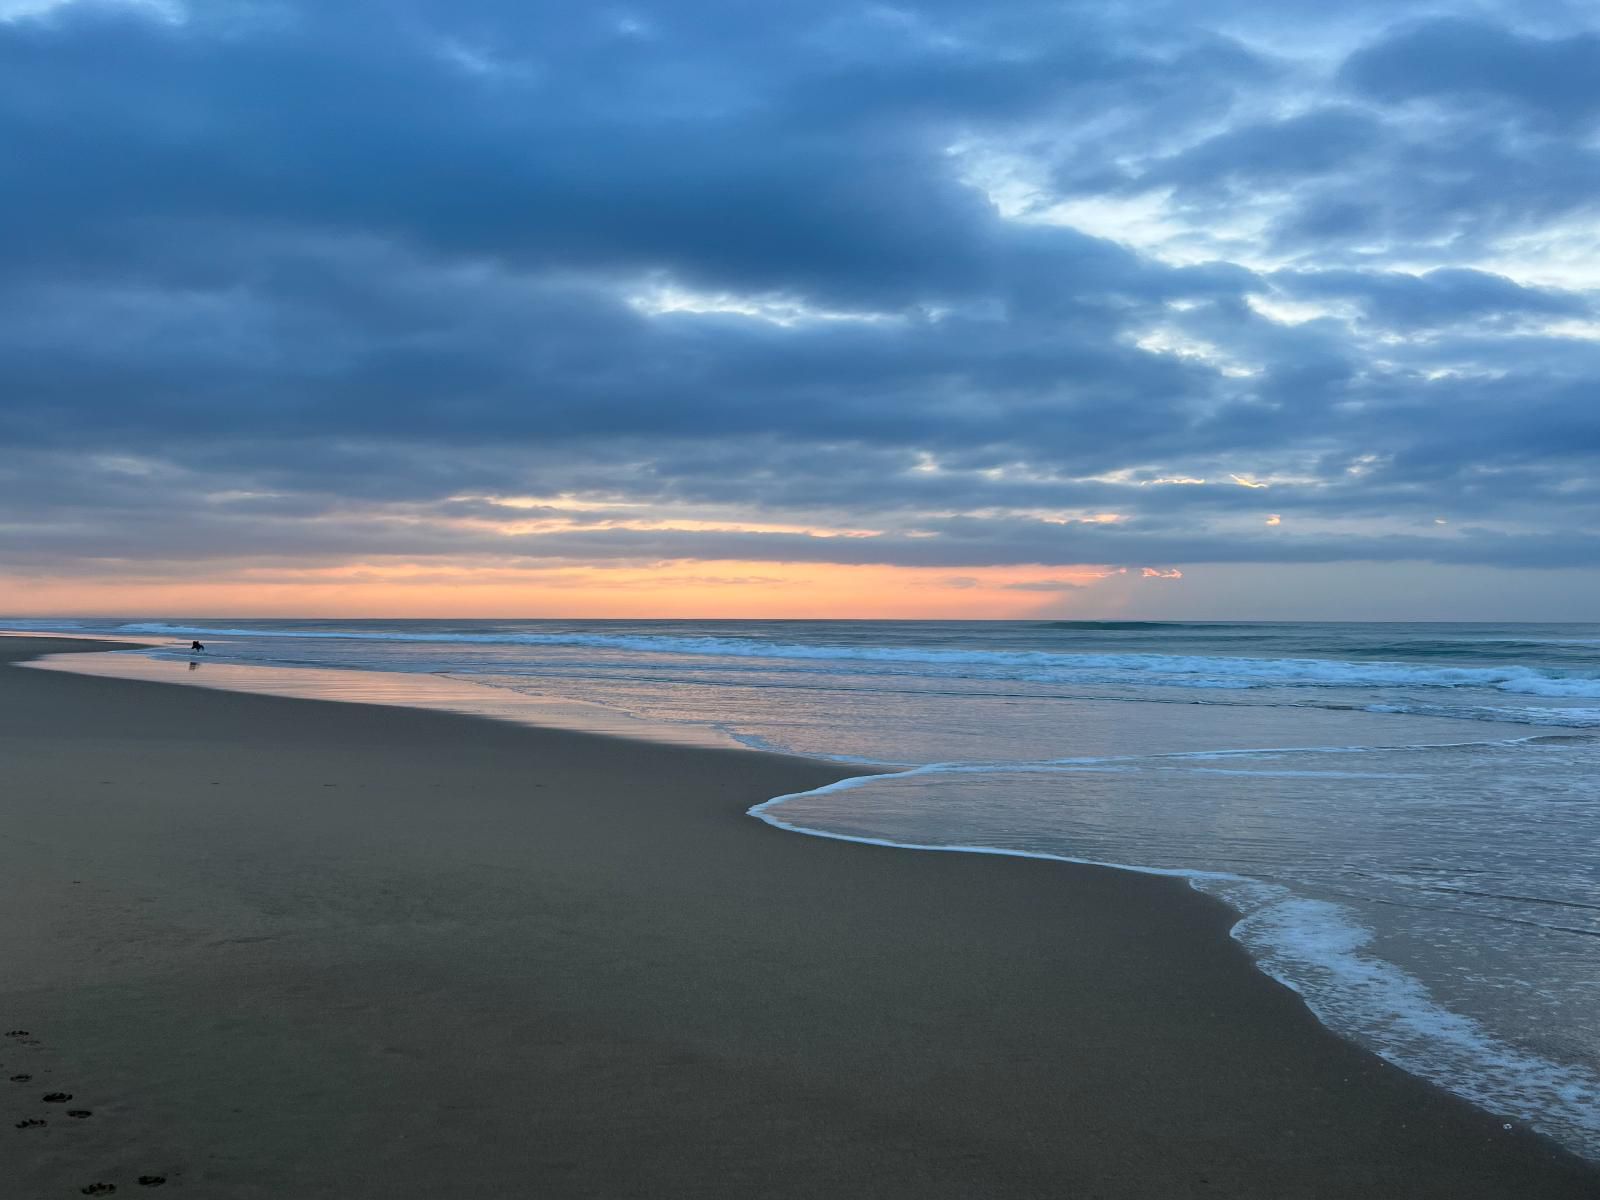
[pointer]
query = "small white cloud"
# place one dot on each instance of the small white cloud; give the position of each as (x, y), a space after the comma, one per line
(1044, 585)
(1363, 464)
(16, 10)
(1293, 312)
(658, 297)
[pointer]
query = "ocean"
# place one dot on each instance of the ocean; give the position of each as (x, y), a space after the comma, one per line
(1405, 816)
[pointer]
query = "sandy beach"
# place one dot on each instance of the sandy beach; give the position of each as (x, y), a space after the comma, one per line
(295, 949)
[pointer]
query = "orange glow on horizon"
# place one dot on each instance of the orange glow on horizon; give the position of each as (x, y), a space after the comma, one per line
(683, 589)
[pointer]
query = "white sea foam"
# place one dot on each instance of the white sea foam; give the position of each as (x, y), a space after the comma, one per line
(766, 811)
(1314, 948)
(1036, 666)
(1320, 951)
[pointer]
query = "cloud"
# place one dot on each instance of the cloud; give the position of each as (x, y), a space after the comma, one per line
(309, 283)
(1452, 61)
(1319, 143)
(1045, 585)
(1440, 298)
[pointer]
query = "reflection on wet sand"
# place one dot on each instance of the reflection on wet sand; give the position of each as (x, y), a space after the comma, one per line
(405, 690)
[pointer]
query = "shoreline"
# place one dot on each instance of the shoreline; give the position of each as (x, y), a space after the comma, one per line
(1372, 1003)
(496, 956)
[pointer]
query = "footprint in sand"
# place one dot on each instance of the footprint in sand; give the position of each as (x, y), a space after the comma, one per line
(152, 1180)
(99, 1189)
(21, 1078)
(57, 1097)
(80, 1113)
(30, 1123)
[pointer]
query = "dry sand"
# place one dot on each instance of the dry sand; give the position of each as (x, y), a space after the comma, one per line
(292, 949)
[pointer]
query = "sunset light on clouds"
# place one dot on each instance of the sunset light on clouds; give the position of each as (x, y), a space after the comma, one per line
(664, 589)
(833, 309)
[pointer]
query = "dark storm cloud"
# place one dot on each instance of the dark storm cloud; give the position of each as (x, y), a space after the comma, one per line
(1450, 60)
(1322, 142)
(322, 281)
(1441, 297)
(573, 145)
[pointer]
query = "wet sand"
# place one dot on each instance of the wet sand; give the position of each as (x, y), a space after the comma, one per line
(289, 948)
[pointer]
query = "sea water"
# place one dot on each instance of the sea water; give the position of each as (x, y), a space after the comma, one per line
(1406, 816)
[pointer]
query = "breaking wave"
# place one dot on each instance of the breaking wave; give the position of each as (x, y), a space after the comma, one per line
(1034, 666)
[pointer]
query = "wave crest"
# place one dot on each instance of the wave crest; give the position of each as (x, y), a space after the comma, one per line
(1035, 666)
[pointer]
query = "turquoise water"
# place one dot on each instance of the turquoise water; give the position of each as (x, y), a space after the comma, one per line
(1407, 816)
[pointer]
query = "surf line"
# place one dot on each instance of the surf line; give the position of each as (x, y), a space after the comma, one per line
(1367, 996)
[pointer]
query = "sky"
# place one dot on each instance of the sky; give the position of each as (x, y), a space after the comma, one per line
(1206, 309)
